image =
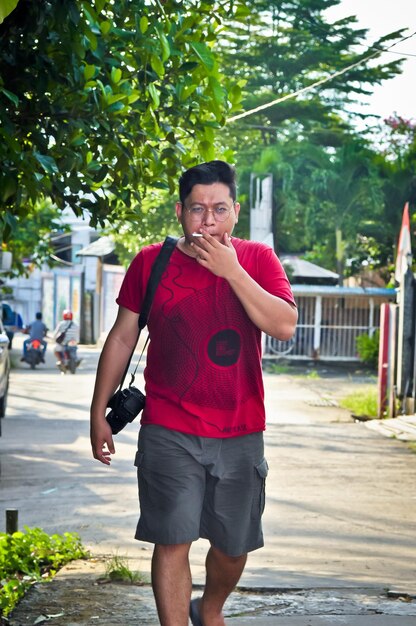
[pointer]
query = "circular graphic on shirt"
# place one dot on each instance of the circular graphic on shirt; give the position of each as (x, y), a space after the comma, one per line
(224, 347)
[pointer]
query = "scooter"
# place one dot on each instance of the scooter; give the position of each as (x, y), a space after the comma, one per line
(34, 354)
(69, 360)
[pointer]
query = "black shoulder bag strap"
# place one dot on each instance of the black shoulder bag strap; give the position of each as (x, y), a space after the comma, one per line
(65, 331)
(157, 270)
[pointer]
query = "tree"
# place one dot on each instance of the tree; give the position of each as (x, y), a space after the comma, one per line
(100, 100)
(396, 164)
(348, 205)
(284, 48)
(31, 244)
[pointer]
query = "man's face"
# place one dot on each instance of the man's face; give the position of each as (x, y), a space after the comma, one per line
(209, 208)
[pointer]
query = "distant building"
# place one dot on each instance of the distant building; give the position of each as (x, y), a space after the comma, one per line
(301, 272)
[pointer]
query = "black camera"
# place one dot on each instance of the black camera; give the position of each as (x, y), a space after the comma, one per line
(125, 405)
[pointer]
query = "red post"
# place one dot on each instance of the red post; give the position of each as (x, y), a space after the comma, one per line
(383, 360)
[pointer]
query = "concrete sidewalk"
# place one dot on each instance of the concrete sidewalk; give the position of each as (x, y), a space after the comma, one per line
(339, 523)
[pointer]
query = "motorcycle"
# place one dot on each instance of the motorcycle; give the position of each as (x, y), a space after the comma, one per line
(34, 353)
(69, 360)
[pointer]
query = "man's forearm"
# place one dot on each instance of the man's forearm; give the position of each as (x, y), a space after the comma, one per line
(111, 367)
(272, 315)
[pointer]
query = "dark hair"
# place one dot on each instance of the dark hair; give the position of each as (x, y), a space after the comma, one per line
(207, 174)
(38, 316)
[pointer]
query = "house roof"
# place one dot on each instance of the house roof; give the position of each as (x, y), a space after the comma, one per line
(100, 248)
(334, 290)
(301, 269)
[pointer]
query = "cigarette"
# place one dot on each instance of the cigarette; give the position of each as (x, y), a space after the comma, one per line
(197, 235)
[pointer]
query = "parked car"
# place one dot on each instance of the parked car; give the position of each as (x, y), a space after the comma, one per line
(4, 370)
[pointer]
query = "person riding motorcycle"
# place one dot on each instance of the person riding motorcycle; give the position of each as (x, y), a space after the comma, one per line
(36, 330)
(71, 330)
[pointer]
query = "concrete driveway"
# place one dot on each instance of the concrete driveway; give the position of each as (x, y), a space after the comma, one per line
(341, 505)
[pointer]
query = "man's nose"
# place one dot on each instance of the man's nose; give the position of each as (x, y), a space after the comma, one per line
(209, 216)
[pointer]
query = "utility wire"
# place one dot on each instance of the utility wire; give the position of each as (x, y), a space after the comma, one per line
(315, 84)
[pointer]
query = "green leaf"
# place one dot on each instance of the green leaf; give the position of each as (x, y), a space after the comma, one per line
(48, 163)
(204, 53)
(92, 39)
(116, 97)
(165, 46)
(217, 91)
(235, 95)
(206, 150)
(79, 140)
(116, 107)
(89, 71)
(144, 24)
(94, 166)
(133, 97)
(188, 66)
(8, 187)
(10, 95)
(154, 94)
(157, 65)
(6, 7)
(99, 5)
(105, 27)
(116, 74)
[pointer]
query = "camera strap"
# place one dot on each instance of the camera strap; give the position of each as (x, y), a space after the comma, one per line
(156, 273)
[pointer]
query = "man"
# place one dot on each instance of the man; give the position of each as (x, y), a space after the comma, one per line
(201, 465)
(36, 330)
(12, 321)
(69, 329)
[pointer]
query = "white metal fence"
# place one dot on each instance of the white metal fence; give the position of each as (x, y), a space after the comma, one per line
(330, 320)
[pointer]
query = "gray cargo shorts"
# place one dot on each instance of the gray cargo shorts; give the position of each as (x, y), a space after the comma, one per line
(192, 487)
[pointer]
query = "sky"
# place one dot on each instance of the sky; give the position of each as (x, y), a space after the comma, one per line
(382, 17)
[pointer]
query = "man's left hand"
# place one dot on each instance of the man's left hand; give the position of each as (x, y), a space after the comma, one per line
(219, 257)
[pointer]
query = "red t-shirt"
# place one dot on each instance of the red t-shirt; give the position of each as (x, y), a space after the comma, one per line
(203, 373)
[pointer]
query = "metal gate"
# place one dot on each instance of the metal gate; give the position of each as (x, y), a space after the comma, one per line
(330, 320)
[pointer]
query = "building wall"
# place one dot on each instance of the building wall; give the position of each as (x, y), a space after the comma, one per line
(330, 320)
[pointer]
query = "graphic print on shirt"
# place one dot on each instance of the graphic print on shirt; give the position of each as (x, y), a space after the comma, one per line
(224, 347)
(208, 334)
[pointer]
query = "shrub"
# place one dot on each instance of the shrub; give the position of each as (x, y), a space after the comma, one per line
(367, 348)
(32, 556)
(362, 403)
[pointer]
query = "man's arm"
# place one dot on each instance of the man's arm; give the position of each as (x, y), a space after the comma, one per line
(273, 315)
(112, 363)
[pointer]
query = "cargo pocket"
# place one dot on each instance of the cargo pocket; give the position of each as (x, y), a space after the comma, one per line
(259, 498)
(138, 459)
(141, 478)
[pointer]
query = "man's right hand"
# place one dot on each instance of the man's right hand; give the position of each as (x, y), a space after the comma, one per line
(102, 443)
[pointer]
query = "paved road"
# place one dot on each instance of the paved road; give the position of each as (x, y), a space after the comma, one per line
(341, 504)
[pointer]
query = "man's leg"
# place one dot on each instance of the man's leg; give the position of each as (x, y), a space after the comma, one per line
(172, 583)
(222, 575)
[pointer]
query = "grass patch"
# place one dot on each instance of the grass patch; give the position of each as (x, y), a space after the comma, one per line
(276, 368)
(117, 569)
(313, 375)
(361, 403)
(30, 557)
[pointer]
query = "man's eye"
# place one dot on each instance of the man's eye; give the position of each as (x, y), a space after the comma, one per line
(197, 210)
(221, 210)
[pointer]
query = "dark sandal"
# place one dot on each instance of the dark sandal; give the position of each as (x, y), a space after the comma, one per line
(194, 612)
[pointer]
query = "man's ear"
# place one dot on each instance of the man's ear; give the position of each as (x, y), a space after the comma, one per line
(178, 210)
(236, 210)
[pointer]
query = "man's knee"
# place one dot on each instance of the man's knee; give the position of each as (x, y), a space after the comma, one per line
(175, 550)
(227, 558)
